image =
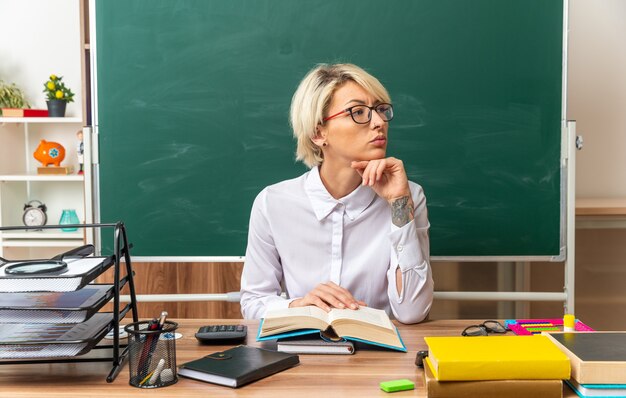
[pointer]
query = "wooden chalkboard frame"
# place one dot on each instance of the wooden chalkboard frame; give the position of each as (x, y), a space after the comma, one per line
(557, 253)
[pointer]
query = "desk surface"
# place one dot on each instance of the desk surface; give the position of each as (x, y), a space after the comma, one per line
(600, 207)
(355, 375)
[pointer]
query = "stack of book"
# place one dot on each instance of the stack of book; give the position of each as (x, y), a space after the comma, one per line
(494, 366)
(598, 362)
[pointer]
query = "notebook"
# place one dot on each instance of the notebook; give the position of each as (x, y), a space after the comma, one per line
(305, 345)
(597, 390)
(238, 366)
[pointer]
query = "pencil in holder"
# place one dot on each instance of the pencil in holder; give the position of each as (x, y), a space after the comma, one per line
(152, 354)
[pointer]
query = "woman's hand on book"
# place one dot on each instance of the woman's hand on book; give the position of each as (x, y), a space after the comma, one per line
(327, 296)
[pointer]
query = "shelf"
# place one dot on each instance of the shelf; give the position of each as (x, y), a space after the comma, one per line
(601, 206)
(42, 177)
(45, 238)
(601, 213)
(43, 243)
(40, 120)
(44, 234)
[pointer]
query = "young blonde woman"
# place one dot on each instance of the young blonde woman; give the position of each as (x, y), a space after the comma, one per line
(353, 230)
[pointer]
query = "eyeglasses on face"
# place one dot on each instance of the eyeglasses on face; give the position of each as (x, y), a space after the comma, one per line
(362, 114)
(484, 329)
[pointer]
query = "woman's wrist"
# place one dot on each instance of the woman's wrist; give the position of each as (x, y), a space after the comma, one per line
(401, 210)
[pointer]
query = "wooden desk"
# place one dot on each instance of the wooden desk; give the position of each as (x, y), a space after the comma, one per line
(600, 207)
(601, 213)
(355, 375)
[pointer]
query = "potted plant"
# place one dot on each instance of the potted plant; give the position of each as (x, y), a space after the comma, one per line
(57, 96)
(11, 96)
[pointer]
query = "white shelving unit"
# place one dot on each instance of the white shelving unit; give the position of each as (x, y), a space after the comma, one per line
(20, 183)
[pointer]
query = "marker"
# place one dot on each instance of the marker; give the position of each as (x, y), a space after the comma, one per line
(569, 323)
(157, 372)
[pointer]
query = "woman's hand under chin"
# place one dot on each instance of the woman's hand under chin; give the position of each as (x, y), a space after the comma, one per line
(386, 177)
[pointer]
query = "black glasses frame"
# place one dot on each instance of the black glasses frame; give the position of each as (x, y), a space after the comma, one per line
(489, 326)
(369, 114)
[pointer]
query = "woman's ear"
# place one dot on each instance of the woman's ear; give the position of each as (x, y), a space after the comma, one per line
(320, 136)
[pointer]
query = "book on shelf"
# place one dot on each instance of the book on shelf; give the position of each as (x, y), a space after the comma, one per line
(56, 170)
(20, 112)
(307, 345)
(367, 325)
(596, 357)
(490, 388)
(597, 390)
(238, 366)
(496, 358)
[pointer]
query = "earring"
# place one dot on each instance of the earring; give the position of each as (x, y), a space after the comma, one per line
(324, 144)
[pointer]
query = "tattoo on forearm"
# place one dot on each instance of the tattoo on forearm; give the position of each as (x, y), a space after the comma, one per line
(401, 211)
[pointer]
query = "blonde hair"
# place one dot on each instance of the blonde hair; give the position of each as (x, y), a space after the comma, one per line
(312, 98)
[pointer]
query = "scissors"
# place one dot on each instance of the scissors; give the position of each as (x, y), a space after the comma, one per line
(55, 265)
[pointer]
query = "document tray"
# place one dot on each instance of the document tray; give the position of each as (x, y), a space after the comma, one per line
(56, 307)
(80, 271)
(27, 340)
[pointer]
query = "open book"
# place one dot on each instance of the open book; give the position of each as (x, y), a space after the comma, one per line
(366, 324)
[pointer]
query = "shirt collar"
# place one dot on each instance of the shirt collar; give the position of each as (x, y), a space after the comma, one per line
(323, 203)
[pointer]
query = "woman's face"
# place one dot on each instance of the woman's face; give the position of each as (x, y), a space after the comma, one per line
(346, 140)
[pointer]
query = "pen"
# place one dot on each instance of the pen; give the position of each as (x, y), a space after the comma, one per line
(162, 319)
(146, 378)
(153, 339)
(152, 325)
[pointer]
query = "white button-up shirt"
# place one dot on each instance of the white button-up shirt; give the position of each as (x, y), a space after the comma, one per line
(300, 236)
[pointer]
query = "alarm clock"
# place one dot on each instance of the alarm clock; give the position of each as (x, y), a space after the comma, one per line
(34, 214)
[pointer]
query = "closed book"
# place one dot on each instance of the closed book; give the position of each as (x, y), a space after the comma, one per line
(490, 388)
(366, 325)
(306, 345)
(62, 170)
(496, 358)
(597, 390)
(596, 357)
(20, 112)
(238, 366)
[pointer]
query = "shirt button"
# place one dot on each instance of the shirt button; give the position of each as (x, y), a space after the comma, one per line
(400, 248)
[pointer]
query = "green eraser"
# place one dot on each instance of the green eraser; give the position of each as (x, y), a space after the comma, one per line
(397, 385)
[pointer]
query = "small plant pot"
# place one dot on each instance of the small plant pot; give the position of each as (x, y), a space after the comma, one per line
(56, 108)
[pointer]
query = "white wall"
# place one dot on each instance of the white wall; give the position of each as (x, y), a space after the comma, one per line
(39, 38)
(597, 95)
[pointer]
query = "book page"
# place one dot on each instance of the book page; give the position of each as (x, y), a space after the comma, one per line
(288, 319)
(308, 311)
(363, 314)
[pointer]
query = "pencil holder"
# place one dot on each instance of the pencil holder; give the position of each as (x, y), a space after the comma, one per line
(152, 354)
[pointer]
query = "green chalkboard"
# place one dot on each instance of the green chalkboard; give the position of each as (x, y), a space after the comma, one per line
(193, 100)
